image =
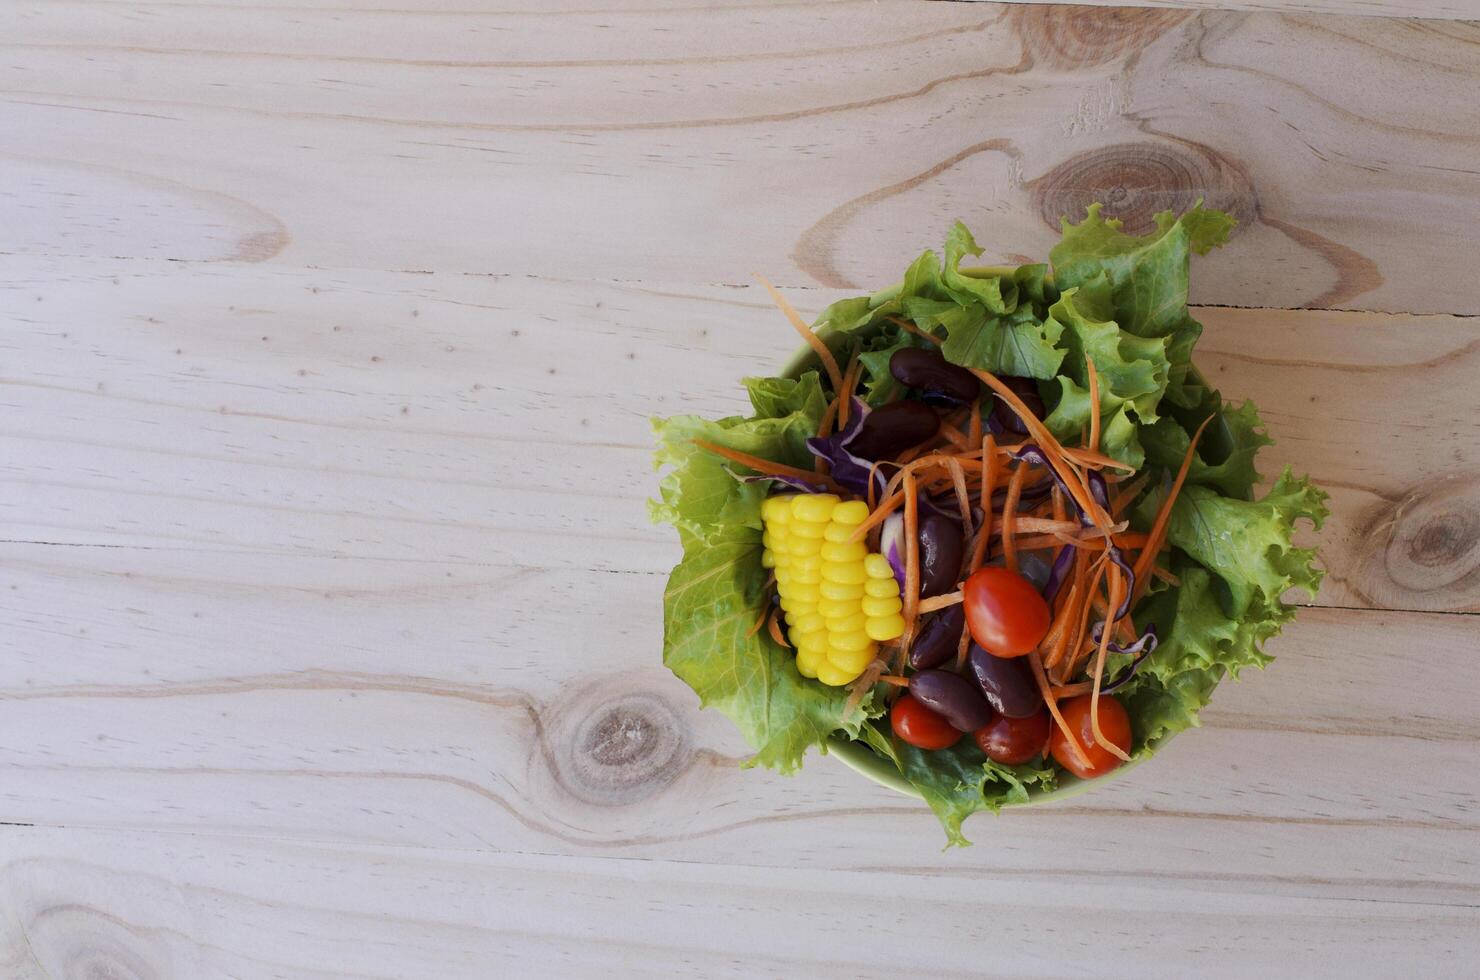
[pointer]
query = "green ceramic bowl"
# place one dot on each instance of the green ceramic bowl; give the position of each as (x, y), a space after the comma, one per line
(866, 762)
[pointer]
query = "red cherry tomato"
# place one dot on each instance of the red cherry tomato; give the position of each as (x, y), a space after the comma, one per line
(1115, 725)
(1013, 741)
(921, 727)
(1006, 615)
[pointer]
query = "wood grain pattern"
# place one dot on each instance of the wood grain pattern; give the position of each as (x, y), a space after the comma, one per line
(218, 907)
(803, 141)
(329, 607)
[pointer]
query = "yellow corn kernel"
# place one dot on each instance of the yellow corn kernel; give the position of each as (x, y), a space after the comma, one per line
(844, 573)
(841, 590)
(838, 532)
(834, 676)
(768, 558)
(833, 608)
(884, 627)
(815, 508)
(881, 588)
(808, 661)
(852, 512)
(848, 641)
(806, 563)
(800, 547)
(812, 532)
(853, 552)
(808, 622)
(881, 605)
(853, 660)
(804, 591)
(851, 623)
(877, 566)
(776, 510)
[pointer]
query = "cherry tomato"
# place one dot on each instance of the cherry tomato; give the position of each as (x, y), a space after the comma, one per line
(1115, 725)
(921, 727)
(1013, 741)
(1006, 615)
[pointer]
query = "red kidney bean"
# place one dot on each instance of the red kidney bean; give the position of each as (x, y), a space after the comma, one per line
(890, 430)
(952, 697)
(1007, 683)
(942, 547)
(1027, 390)
(938, 638)
(938, 380)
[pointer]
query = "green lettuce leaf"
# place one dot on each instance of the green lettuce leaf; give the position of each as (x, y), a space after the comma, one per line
(710, 604)
(959, 781)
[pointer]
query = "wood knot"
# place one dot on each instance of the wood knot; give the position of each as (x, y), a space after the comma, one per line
(1134, 181)
(613, 748)
(1425, 550)
(1063, 36)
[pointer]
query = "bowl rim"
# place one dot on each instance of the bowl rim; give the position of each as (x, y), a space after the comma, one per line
(857, 755)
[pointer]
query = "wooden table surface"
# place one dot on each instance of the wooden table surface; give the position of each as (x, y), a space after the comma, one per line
(329, 333)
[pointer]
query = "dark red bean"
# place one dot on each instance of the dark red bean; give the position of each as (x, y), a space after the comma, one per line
(942, 547)
(1027, 390)
(890, 430)
(952, 697)
(938, 380)
(939, 638)
(1006, 682)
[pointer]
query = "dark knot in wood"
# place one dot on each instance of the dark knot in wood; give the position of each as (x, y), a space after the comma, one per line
(1134, 181)
(1435, 542)
(616, 748)
(1424, 551)
(1063, 36)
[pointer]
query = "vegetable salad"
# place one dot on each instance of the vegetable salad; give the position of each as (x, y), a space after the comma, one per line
(1000, 530)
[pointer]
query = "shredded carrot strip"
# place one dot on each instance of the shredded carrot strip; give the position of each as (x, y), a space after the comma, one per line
(774, 625)
(1165, 575)
(1117, 591)
(1053, 708)
(1073, 690)
(1094, 404)
(764, 466)
(974, 423)
(1163, 518)
(1009, 517)
(989, 475)
(861, 685)
(1096, 460)
(889, 506)
(900, 321)
(844, 396)
(1076, 639)
(1050, 446)
(939, 602)
(911, 559)
(825, 425)
(1060, 513)
(895, 680)
(760, 621)
(963, 497)
(1126, 494)
(829, 362)
(1056, 640)
(954, 437)
(961, 647)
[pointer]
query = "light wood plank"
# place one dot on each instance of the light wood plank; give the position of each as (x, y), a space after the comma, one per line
(415, 703)
(371, 415)
(1436, 9)
(250, 909)
(700, 144)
